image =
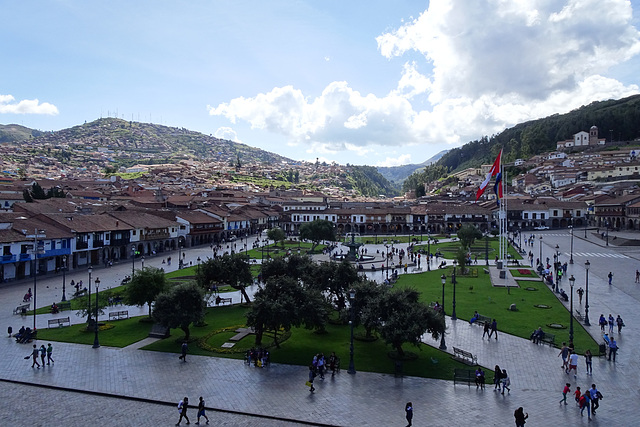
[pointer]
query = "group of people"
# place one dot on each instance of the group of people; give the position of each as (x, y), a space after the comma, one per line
(43, 352)
(24, 335)
(590, 400)
(183, 405)
(320, 365)
(259, 357)
(603, 322)
(501, 379)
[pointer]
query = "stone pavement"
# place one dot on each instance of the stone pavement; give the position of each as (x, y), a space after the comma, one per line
(364, 399)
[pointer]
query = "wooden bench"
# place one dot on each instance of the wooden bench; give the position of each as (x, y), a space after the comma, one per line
(486, 270)
(464, 375)
(483, 319)
(547, 338)
(21, 309)
(59, 322)
(223, 301)
(118, 315)
(465, 357)
(64, 305)
(579, 315)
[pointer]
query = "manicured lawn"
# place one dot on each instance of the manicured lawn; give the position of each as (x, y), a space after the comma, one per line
(274, 250)
(478, 294)
(124, 333)
(449, 249)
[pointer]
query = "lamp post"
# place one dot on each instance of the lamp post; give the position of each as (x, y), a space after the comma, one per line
(428, 252)
(37, 249)
(607, 223)
(571, 258)
(586, 301)
(453, 280)
(96, 343)
(90, 270)
(486, 248)
(443, 345)
(64, 277)
(541, 251)
(180, 256)
(572, 281)
(142, 259)
(198, 264)
(133, 261)
(556, 264)
(387, 255)
(352, 297)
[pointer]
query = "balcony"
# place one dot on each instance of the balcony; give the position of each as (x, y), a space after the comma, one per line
(82, 245)
(120, 242)
(155, 236)
(7, 259)
(98, 243)
(25, 257)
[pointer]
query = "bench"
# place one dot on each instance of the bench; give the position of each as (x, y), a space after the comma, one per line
(223, 300)
(486, 270)
(465, 357)
(21, 309)
(547, 338)
(64, 305)
(579, 315)
(483, 319)
(59, 322)
(464, 375)
(118, 315)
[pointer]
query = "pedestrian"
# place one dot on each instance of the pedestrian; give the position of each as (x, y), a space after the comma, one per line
(506, 381)
(497, 375)
(408, 410)
(10, 331)
(602, 322)
(637, 276)
(312, 375)
(573, 364)
(613, 349)
(577, 395)
(333, 362)
(201, 411)
(485, 330)
(567, 389)
(610, 276)
(480, 378)
(520, 417)
(611, 323)
(34, 355)
(182, 407)
(588, 359)
(43, 353)
(594, 393)
(580, 293)
(321, 363)
(494, 329)
(620, 323)
(184, 349)
(564, 352)
(585, 402)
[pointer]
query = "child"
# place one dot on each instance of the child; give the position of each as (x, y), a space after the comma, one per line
(567, 389)
(577, 395)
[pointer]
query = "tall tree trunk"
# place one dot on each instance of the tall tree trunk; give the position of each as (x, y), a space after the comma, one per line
(245, 295)
(186, 332)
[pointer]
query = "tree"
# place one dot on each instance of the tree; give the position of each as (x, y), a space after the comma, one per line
(179, 307)
(404, 319)
(145, 286)
(232, 270)
(334, 280)
(318, 230)
(369, 297)
(277, 235)
(297, 267)
(283, 303)
(103, 302)
(468, 234)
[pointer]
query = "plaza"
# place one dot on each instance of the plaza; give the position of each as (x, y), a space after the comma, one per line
(130, 386)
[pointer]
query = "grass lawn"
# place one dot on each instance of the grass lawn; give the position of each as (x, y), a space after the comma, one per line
(274, 250)
(516, 273)
(478, 294)
(381, 238)
(449, 249)
(124, 333)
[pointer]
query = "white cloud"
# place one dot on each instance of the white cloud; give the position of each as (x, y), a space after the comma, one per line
(403, 159)
(26, 106)
(488, 64)
(226, 133)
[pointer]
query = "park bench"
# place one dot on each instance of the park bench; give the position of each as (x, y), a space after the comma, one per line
(464, 375)
(80, 293)
(59, 322)
(547, 338)
(486, 270)
(21, 309)
(579, 315)
(64, 305)
(118, 315)
(483, 319)
(220, 300)
(465, 357)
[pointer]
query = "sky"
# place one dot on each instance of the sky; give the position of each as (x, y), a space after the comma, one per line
(380, 83)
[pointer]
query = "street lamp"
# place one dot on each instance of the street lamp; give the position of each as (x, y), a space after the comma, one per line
(64, 277)
(142, 259)
(428, 251)
(453, 280)
(352, 297)
(180, 256)
(586, 302)
(541, 251)
(90, 270)
(607, 224)
(572, 281)
(133, 261)
(571, 258)
(387, 255)
(556, 264)
(96, 343)
(443, 345)
(198, 264)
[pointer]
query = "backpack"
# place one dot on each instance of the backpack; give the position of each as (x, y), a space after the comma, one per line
(180, 405)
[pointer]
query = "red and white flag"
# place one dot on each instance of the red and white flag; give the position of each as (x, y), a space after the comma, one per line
(495, 170)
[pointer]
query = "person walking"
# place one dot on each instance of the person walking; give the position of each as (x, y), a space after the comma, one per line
(610, 276)
(184, 349)
(577, 395)
(506, 381)
(588, 359)
(182, 407)
(580, 292)
(408, 410)
(585, 402)
(602, 322)
(201, 411)
(312, 375)
(573, 364)
(564, 352)
(613, 349)
(520, 417)
(497, 375)
(49, 352)
(485, 330)
(611, 323)
(494, 329)
(593, 393)
(637, 276)
(620, 323)
(43, 354)
(565, 390)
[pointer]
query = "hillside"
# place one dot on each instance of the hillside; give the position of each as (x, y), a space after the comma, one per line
(397, 174)
(16, 133)
(539, 136)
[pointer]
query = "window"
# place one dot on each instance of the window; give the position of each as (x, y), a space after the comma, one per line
(541, 216)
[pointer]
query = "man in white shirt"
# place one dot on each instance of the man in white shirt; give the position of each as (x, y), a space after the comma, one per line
(573, 364)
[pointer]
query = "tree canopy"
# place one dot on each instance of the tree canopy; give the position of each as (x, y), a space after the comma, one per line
(277, 235)
(145, 286)
(179, 307)
(317, 231)
(232, 270)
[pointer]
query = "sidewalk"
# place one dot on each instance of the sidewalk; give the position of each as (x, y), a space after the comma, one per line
(364, 399)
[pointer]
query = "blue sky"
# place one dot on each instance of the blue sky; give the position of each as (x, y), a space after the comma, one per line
(363, 82)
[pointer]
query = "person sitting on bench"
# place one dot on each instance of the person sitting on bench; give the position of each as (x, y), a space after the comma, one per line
(54, 308)
(218, 300)
(564, 295)
(537, 335)
(475, 317)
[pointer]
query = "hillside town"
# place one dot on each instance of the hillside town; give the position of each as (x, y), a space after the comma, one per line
(105, 220)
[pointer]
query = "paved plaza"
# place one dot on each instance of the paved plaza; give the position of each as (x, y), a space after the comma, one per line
(129, 386)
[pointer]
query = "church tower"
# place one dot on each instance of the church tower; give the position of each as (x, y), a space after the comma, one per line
(593, 135)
